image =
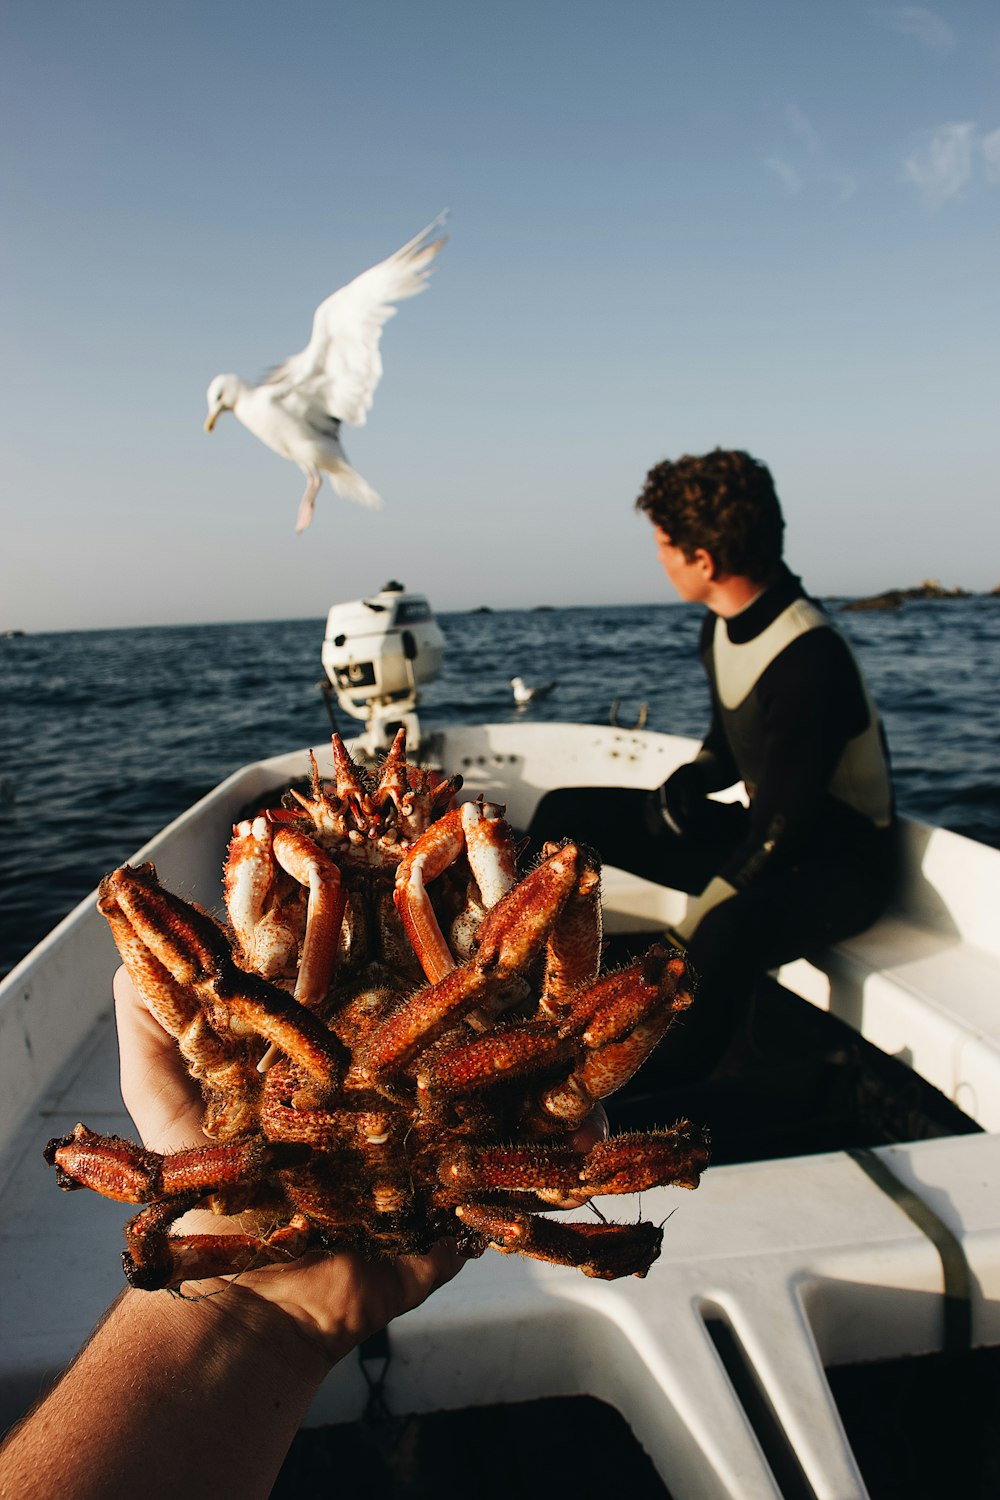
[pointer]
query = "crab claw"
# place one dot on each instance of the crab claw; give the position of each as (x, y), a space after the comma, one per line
(191, 947)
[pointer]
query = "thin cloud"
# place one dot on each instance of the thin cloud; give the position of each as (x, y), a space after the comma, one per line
(787, 175)
(923, 25)
(802, 129)
(941, 165)
(990, 146)
(810, 165)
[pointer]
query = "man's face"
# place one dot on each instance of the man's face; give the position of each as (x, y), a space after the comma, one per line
(691, 578)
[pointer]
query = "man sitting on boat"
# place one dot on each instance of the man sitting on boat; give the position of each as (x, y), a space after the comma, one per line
(809, 860)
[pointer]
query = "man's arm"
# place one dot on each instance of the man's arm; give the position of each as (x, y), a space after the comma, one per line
(200, 1395)
(197, 1396)
(682, 796)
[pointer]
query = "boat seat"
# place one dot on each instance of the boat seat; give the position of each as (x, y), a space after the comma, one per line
(920, 984)
(927, 998)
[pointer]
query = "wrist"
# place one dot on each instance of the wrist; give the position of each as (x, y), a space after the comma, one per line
(243, 1320)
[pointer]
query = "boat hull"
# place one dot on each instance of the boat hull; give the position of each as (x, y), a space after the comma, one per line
(799, 1264)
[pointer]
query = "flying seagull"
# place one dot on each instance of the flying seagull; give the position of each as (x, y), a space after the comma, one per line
(297, 410)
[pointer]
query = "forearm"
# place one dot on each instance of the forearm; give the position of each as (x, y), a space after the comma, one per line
(714, 761)
(199, 1398)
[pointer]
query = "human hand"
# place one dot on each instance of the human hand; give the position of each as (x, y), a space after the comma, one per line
(162, 1098)
(335, 1301)
(681, 798)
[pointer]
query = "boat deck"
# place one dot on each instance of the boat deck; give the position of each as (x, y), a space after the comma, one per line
(778, 1268)
(799, 1264)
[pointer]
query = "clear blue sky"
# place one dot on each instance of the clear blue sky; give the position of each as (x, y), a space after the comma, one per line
(673, 226)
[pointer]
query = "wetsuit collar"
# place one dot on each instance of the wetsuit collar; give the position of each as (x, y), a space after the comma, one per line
(781, 589)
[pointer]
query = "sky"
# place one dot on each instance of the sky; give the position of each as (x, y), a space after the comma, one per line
(759, 224)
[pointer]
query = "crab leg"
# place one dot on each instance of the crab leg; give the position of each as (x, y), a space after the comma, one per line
(434, 851)
(508, 1052)
(127, 1172)
(573, 951)
(510, 937)
(174, 1005)
(514, 931)
(476, 829)
(611, 1063)
(619, 1019)
(190, 945)
(623, 1164)
(306, 862)
(269, 941)
(156, 1258)
(614, 1006)
(603, 1250)
(419, 1022)
(608, 1068)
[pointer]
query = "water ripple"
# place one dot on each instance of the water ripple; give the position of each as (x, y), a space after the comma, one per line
(109, 734)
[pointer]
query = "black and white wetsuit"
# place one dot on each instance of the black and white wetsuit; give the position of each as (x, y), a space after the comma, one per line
(810, 862)
(793, 720)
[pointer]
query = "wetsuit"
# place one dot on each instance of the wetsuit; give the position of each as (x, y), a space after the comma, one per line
(810, 862)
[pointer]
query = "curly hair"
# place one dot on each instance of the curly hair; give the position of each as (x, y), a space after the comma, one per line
(725, 503)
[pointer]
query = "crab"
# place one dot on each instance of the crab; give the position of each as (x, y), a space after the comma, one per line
(397, 1039)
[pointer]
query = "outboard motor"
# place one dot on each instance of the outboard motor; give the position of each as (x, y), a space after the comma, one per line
(378, 653)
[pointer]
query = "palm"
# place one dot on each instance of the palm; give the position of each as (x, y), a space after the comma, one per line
(335, 1299)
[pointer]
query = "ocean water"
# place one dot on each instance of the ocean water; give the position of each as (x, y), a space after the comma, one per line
(107, 735)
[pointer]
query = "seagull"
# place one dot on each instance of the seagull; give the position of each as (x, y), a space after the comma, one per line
(298, 408)
(523, 694)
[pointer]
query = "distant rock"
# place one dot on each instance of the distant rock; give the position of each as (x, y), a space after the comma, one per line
(481, 609)
(893, 598)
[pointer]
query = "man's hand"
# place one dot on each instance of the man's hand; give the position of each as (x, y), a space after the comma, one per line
(201, 1395)
(334, 1300)
(681, 798)
(161, 1096)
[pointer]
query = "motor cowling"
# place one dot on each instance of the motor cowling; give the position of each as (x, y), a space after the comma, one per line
(379, 651)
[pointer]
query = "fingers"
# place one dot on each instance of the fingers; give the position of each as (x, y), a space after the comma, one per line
(163, 1100)
(591, 1130)
(335, 1300)
(588, 1133)
(423, 1274)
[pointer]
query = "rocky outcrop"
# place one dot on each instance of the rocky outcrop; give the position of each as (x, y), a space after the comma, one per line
(893, 598)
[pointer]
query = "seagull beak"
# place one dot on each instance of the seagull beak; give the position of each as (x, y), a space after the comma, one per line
(212, 418)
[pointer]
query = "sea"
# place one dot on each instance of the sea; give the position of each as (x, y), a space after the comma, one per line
(106, 735)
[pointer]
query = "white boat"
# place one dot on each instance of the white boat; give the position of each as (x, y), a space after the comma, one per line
(774, 1272)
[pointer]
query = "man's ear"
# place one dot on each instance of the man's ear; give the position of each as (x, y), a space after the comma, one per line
(706, 562)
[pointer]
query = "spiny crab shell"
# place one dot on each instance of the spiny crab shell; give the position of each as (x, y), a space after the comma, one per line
(397, 1040)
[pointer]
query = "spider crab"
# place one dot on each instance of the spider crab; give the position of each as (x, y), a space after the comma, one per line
(395, 1042)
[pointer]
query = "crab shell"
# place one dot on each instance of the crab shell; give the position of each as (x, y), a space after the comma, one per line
(398, 1040)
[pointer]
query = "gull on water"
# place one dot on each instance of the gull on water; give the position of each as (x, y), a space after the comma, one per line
(298, 408)
(524, 693)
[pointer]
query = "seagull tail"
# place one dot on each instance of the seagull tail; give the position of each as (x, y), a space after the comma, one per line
(349, 483)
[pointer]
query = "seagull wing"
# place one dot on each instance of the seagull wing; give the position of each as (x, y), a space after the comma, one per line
(340, 366)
